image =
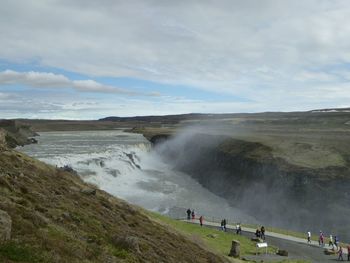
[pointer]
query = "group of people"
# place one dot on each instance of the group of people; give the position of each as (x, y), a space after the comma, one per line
(260, 233)
(191, 215)
(333, 242)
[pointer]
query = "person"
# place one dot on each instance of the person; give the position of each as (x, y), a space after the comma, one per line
(193, 215)
(336, 241)
(340, 253)
(224, 223)
(262, 231)
(330, 243)
(348, 252)
(257, 233)
(201, 220)
(309, 237)
(321, 239)
(188, 214)
(238, 229)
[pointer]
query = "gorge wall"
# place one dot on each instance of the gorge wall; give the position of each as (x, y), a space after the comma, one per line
(250, 177)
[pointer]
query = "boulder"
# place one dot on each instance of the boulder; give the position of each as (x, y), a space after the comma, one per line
(282, 252)
(330, 252)
(235, 249)
(89, 191)
(5, 226)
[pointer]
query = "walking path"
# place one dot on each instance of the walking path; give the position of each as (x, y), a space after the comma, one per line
(298, 248)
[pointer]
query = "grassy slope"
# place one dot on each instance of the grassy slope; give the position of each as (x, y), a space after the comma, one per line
(53, 221)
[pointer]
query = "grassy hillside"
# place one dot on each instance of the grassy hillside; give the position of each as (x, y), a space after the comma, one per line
(58, 218)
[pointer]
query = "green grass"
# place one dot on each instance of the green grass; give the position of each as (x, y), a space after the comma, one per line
(221, 244)
(18, 253)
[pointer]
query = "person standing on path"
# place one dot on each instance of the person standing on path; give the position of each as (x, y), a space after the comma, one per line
(224, 223)
(262, 231)
(188, 214)
(330, 243)
(309, 237)
(193, 215)
(201, 220)
(321, 239)
(336, 241)
(238, 229)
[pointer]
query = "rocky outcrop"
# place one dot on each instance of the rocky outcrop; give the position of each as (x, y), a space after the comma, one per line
(5, 226)
(235, 249)
(270, 189)
(17, 134)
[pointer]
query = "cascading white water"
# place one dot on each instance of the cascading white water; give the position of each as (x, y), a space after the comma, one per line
(124, 165)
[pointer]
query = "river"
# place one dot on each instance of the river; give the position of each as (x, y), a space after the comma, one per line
(124, 165)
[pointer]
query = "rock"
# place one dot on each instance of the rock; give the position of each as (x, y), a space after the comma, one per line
(74, 189)
(235, 249)
(32, 141)
(212, 235)
(67, 168)
(5, 226)
(89, 191)
(66, 215)
(283, 253)
(330, 251)
(128, 243)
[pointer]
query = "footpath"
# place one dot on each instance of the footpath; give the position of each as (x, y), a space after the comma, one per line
(267, 233)
(298, 248)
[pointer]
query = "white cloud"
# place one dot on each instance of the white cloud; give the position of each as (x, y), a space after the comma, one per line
(279, 54)
(51, 80)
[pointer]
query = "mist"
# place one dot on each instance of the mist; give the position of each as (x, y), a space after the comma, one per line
(250, 178)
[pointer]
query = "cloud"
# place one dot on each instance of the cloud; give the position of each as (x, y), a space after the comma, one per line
(283, 55)
(51, 80)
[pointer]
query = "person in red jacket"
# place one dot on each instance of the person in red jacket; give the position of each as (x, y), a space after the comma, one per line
(201, 220)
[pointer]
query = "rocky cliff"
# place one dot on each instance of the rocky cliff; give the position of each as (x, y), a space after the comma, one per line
(276, 192)
(16, 133)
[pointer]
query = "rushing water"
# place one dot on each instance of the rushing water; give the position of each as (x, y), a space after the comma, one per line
(124, 165)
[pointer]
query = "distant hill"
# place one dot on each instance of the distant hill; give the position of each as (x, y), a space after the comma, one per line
(332, 110)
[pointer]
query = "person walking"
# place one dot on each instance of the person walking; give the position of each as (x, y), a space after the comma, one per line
(224, 223)
(309, 237)
(336, 241)
(201, 220)
(238, 229)
(330, 243)
(340, 254)
(188, 214)
(321, 239)
(262, 231)
(193, 215)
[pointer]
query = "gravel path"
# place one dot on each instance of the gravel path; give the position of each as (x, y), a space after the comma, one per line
(296, 247)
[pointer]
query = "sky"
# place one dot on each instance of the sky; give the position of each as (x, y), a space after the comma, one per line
(84, 59)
